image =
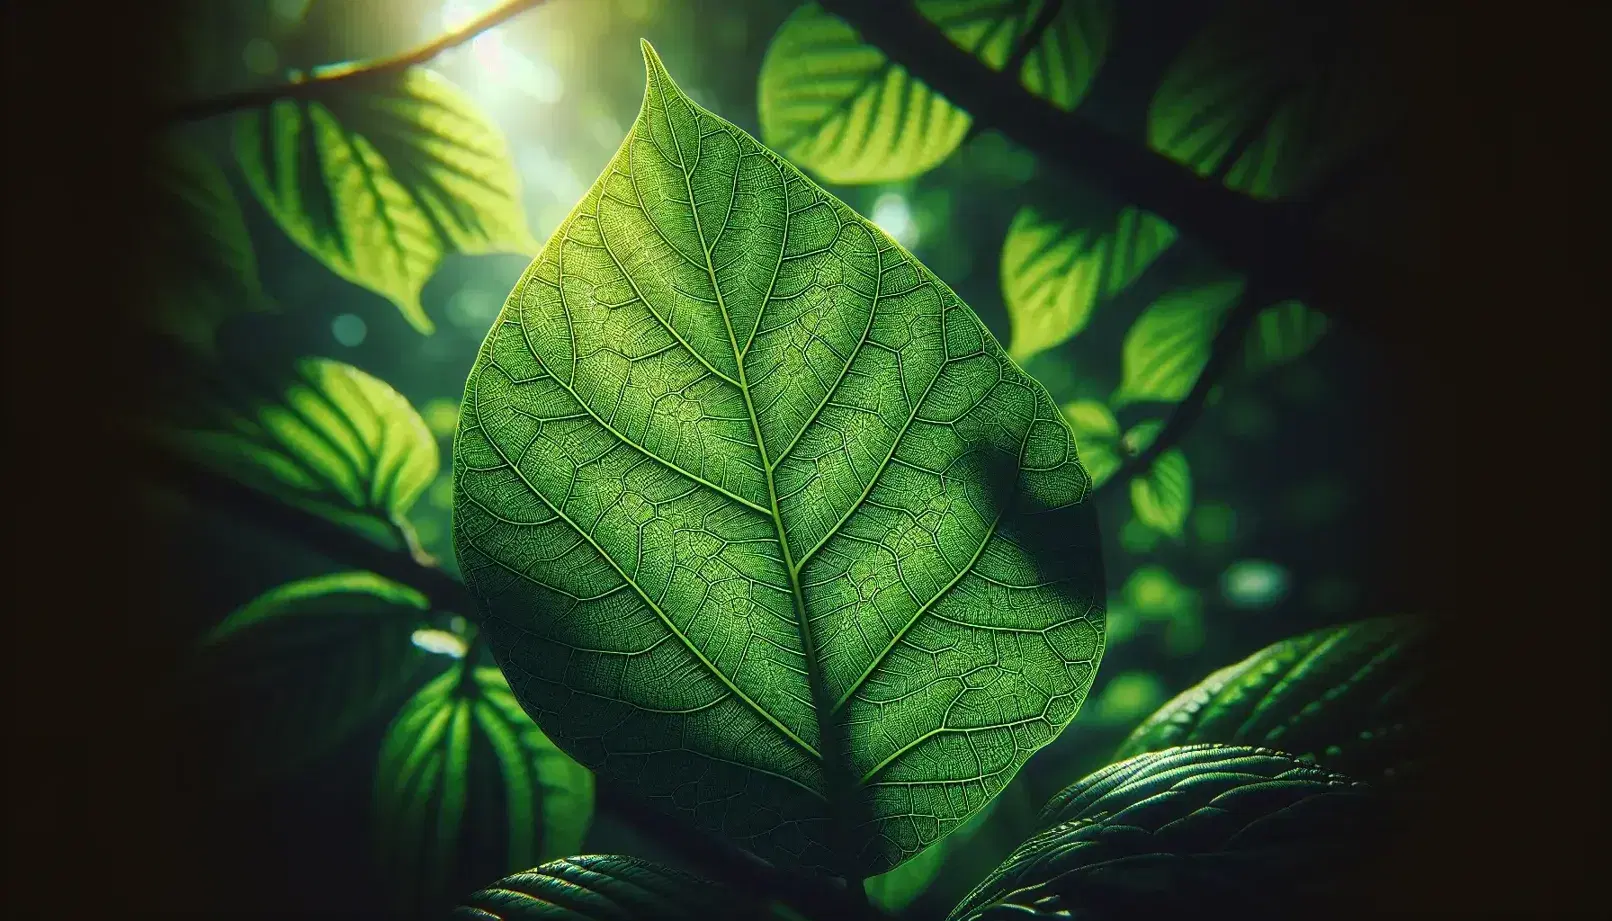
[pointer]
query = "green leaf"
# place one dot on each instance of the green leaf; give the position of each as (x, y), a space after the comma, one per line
(944, 871)
(1169, 343)
(1162, 497)
(295, 671)
(381, 179)
(1282, 333)
(1096, 437)
(731, 474)
(1203, 831)
(1269, 97)
(840, 108)
(606, 889)
(1055, 271)
(1343, 696)
(331, 439)
(461, 749)
(205, 265)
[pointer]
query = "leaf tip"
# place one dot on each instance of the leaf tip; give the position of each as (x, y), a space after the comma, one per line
(652, 63)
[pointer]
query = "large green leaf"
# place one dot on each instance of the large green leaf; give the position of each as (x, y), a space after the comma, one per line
(1269, 96)
(1169, 343)
(1055, 270)
(382, 178)
(467, 787)
(840, 108)
(945, 870)
(1343, 696)
(759, 514)
(1203, 831)
(606, 889)
(206, 267)
(329, 438)
(300, 667)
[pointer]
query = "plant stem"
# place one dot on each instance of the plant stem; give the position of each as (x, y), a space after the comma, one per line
(1265, 241)
(724, 862)
(304, 86)
(1227, 345)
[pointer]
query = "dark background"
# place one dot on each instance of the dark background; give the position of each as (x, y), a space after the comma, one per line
(1486, 358)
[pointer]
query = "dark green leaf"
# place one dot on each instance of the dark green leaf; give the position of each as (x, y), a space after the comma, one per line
(945, 870)
(463, 773)
(1204, 831)
(1056, 270)
(606, 889)
(330, 438)
(1282, 333)
(1169, 343)
(1343, 696)
(382, 178)
(303, 665)
(206, 267)
(840, 108)
(1270, 96)
(729, 473)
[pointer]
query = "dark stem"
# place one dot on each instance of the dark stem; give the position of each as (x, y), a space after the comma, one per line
(724, 862)
(1021, 53)
(1264, 241)
(1227, 346)
(304, 86)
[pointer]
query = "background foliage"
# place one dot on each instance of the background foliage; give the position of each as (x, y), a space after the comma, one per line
(1254, 527)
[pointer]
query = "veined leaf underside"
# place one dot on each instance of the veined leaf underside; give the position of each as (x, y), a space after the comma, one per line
(731, 460)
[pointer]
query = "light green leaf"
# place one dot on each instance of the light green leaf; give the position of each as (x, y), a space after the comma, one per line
(1282, 333)
(606, 889)
(1055, 271)
(206, 267)
(1162, 497)
(330, 438)
(299, 668)
(463, 747)
(1096, 438)
(1269, 97)
(381, 179)
(1344, 696)
(841, 109)
(1169, 343)
(1202, 831)
(732, 468)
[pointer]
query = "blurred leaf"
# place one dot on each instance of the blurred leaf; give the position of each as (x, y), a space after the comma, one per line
(1169, 343)
(642, 427)
(1203, 831)
(606, 889)
(1162, 497)
(464, 774)
(1096, 437)
(1343, 696)
(1154, 593)
(1282, 333)
(1055, 270)
(1126, 698)
(380, 179)
(1269, 96)
(296, 670)
(333, 440)
(205, 266)
(841, 109)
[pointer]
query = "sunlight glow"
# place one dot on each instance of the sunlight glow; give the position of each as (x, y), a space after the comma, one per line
(894, 217)
(440, 642)
(1254, 583)
(500, 67)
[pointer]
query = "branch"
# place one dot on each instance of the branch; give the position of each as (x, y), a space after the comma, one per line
(1227, 345)
(816, 897)
(1262, 240)
(304, 86)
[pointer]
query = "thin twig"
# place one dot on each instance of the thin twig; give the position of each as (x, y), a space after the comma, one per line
(816, 897)
(322, 79)
(1226, 346)
(1265, 241)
